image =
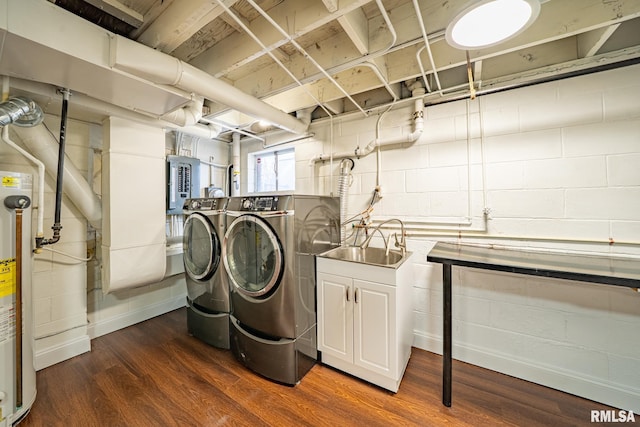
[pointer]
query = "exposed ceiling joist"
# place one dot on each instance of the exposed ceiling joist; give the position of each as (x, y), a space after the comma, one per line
(356, 25)
(165, 35)
(240, 49)
(355, 44)
(119, 10)
(590, 43)
(331, 5)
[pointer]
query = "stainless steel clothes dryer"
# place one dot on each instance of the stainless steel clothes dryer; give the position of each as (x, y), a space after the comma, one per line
(269, 255)
(208, 304)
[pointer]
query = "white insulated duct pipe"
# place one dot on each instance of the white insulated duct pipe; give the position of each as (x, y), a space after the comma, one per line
(160, 68)
(208, 131)
(304, 115)
(41, 172)
(418, 124)
(44, 146)
(187, 115)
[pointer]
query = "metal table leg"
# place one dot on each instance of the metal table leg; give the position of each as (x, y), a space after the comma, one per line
(446, 335)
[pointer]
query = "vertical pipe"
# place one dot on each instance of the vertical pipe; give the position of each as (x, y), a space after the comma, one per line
(235, 190)
(63, 133)
(18, 203)
(18, 312)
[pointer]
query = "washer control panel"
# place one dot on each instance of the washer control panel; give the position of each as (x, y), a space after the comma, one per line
(259, 204)
(204, 204)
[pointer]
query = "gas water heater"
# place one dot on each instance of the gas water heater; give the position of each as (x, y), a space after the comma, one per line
(17, 369)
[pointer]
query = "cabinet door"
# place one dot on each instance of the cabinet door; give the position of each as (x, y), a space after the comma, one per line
(335, 316)
(374, 327)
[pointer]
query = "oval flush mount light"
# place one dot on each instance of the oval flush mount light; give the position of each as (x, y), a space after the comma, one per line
(489, 22)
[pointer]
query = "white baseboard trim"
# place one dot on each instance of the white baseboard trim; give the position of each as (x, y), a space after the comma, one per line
(106, 326)
(61, 352)
(569, 382)
(52, 355)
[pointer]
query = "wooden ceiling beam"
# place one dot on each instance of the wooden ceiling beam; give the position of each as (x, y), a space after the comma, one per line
(164, 35)
(118, 10)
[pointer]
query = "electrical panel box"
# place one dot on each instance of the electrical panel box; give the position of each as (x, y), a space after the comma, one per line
(183, 182)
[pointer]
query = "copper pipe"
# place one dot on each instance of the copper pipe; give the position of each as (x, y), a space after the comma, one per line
(18, 312)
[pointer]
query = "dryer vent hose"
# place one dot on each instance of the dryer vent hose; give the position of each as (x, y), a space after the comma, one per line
(346, 165)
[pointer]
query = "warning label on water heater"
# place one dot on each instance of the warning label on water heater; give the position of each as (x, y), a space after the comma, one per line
(7, 322)
(7, 277)
(10, 181)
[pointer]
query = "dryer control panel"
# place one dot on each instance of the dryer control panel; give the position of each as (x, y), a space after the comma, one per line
(205, 204)
(259, 204)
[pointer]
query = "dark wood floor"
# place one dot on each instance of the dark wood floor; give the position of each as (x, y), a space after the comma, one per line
(155, 374)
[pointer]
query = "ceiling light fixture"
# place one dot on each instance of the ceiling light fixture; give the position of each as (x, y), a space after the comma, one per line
(489, 22)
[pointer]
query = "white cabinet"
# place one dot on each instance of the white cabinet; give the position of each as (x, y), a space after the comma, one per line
(365, 319)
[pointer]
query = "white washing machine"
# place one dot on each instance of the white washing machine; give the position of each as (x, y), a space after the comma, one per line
(269, 255)
(208, 304)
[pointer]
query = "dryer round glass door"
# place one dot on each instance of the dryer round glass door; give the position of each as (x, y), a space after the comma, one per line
(252, 256)
(201, 248)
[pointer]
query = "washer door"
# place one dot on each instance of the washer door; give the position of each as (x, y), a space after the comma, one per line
(252, 256)
(201, 246)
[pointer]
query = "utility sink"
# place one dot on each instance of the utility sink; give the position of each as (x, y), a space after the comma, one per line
(370, 255)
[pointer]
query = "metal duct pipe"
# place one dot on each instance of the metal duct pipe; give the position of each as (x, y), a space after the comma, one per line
(160, 68)
(25, 111)
(20, 111)
(44, 146)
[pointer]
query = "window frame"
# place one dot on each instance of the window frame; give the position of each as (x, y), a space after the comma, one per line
(253, 184)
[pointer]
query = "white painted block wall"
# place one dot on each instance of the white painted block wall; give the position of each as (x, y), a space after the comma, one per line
(69, 306)
(562, 161)
(60, 282)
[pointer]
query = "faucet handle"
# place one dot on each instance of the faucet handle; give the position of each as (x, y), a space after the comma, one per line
(402, 244)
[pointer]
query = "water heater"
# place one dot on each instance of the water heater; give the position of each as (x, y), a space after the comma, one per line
(17, 369)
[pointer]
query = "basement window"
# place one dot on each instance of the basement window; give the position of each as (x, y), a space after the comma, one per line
(271, 171)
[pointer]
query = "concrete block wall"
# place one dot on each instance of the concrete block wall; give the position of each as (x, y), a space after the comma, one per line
(561, 173)
(60, 282)
(68, 304)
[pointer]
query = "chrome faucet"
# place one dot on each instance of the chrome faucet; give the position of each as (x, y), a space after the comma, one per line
(402, 243)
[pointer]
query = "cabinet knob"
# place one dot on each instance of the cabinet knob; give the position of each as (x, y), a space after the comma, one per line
(347, 293)
(355, 295)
